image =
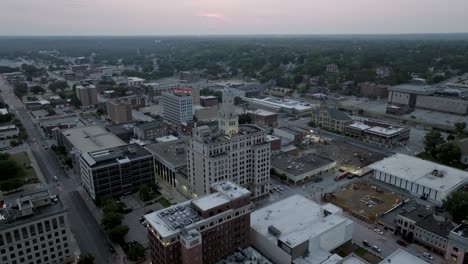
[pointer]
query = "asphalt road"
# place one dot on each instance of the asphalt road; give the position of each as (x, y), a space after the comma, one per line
(86, 230)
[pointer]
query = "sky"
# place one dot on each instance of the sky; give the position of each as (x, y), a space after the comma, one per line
(206, 17)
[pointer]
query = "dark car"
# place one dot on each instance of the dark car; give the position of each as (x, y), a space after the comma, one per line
(401, 243)
(149, 212)
(318, 180)
(423, 197)
(365, 243)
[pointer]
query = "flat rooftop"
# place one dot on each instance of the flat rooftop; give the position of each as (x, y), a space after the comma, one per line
(284, 103)
(261, 112)
(426, 173)
(121, 128)
(385, 131)
(401, 256)
(170, 221)
(359, 125)
(245, 256)
(59, 120)
(296, 218)
(172, 152)
(120, 154)
(298, 165)
(151, 125)
(413, 89)
(91, 138)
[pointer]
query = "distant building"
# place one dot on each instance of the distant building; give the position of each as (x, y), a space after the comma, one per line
(87, 95)
(190, 76)
(332, 68)
(402, 256)
(116, 171)
(383, 71)
(331, 119)
(457, 246)
(420, 177)
(463, 144)
(123, 131)
(151, 130)
(263, 118)
(298, 230)
(378, 132)
(34, 229)
(208, 101)
(62, 122)
(368, 89)
(189, 233)
(177, 107)
(290, 134)
(275, 142)
(135, 81)
(8, 131)
(119, 111)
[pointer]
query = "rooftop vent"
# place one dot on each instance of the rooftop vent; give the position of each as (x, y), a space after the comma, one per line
(274, 231)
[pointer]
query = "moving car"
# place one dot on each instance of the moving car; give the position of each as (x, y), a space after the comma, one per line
(378, 231)
(376, 248)
(55, 178)
(428, 256)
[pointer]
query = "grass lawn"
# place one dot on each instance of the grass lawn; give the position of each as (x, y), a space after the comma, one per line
(360, 252)
(164, 202)
(28, 173)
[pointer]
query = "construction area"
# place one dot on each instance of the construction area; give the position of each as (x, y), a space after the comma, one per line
(364, 200)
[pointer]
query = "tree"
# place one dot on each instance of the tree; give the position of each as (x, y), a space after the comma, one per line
(457, 205)
(10, 185)
(86, 258)
(450, 137)
(54, 86)
(135, 252)
(460, 127)
(244, 119)
(20, 89)
(237, 100)
(432, 139)
(311, 123)
(117, 234)
(75, 101)
(6, 117)
(9, 169)
(14, 143)
(37, 89)
(144, 192)
(111, 220)
(99, 111)
(448, 152)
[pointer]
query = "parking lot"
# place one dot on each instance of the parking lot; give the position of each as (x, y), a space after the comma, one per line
(137, 231)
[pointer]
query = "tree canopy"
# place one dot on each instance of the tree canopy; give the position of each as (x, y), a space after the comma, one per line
(457, 205)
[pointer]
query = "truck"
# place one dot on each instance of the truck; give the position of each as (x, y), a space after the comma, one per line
(341, 176)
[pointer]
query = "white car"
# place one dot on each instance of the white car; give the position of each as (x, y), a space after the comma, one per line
(378, 231)
(55, 178)
(428, 256)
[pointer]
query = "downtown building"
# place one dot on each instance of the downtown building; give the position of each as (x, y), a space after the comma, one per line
(34, 229)
(116, 171)
(87, 94)
(177, 106)
(119, 111)
(240, 154)
(202, 230)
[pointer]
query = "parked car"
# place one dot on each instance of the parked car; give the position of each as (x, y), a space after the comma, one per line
(141, 219)
(378, 231)
(318, 180)
(366, 243)
(402, 243)
(56, 178)
(428, 256)
(280, 188)
(375, 248)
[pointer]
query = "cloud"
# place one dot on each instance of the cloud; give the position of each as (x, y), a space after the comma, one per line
(217, 16)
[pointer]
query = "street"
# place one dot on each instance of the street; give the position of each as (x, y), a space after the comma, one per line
(84, 227)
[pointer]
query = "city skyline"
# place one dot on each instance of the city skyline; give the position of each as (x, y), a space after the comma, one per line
(208, 17)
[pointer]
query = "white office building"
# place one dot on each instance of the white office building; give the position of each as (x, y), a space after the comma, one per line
(419, 177)
(34, 229)
(177, 107)
(298, 230)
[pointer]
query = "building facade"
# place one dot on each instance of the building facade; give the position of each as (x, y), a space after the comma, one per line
(263, 118)
(202, 230)
(457, 246)
(119, 111)
(177, 107)
(116, 171)
(331, 119)
(35, 229)
(87, 94)
(151, 130)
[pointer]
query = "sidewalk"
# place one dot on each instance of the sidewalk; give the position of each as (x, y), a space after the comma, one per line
(170, 193)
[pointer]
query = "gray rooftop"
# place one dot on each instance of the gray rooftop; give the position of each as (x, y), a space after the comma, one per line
(336, 114)
(17, 212)
(172, 152)
(413, 89)
(121, 128)
(298, 165)
(151, 125)
(436, 224)
(91, 138)
(110, 156)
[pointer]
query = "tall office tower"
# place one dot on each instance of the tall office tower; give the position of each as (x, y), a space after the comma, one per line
(87, 94)
(34, 229)
(202, 230)
(177, 106)
(119, 111)
(236, 153)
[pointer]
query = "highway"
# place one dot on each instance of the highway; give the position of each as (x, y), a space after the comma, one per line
(86, 230)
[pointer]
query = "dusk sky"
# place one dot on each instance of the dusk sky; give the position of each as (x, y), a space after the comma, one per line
(182, 17)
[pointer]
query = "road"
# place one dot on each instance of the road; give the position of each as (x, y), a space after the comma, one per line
(86, 230)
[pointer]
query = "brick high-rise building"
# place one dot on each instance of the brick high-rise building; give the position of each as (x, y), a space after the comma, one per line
(119, 111)
(202, 230)
(87, 94)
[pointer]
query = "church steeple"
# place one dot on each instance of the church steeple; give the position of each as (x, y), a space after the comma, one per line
(229, 121)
